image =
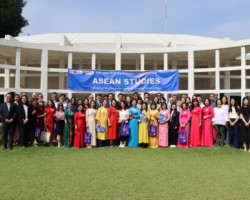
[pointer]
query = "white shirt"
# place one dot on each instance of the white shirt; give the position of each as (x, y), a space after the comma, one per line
(233, 114)
(8, 105)
(25, 111)
(225, 107)
(123, 115)
(220, 116)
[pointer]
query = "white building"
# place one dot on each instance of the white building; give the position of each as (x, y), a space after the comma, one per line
(39, 63)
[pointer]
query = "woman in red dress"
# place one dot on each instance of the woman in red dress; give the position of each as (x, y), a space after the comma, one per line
(79, 120)
(49, 120)
(113, 117)
(195, 132)
(207, 133)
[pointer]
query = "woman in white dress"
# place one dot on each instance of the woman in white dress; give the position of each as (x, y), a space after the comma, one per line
(123, 118)
(91, 123)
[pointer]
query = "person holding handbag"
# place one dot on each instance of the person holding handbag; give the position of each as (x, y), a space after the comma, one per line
(123, 119)
(91, 123)
(102, 122)
(59, 123)
(184, 118)
(163, 125)
(173, 125)
(152, 116)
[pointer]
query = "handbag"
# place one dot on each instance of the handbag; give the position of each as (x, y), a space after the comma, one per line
(37, 131)
(100, 129)
(152, 131)
(182, 137)
(124, 130)
(87, 138)
(45, 136)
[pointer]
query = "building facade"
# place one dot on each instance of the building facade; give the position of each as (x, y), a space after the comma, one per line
(40, 63)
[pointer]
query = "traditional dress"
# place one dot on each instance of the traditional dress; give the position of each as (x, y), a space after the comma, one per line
(40, 120)
(143, 130)
(50, 120)
(113, 115)
(153, 115)
(102, 116)
(184, 118)
(91, 122)
(133, 126)
(79, 120)
(195, 129)
(208, 132)
(68, 128)
(163, 129)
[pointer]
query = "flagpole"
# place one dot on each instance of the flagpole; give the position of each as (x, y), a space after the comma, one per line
(165, 17)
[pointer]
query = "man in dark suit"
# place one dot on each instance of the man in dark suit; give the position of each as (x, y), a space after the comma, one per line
(98, 101)
(8, 115)
(118, 104)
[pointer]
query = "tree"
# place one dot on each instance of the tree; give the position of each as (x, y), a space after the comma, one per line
(11, 19)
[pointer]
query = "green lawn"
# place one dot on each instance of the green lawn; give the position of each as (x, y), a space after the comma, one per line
(130, 173)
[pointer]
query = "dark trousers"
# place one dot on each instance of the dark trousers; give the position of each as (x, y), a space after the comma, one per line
(8, 131)
(220, 134)
(102, 143)
(173, 135)
(234, 135)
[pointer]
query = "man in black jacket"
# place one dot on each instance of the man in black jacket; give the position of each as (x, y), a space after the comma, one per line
(8, 115)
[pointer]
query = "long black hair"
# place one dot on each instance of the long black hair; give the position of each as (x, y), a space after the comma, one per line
(236, 106)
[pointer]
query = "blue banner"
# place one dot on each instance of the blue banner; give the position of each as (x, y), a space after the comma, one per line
(123, 81)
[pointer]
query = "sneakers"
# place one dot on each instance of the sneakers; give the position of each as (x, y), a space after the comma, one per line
(172, 146)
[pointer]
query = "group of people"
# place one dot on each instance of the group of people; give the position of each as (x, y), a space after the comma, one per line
(125, 121)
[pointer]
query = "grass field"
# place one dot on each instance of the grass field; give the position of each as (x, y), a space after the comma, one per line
(130, 173)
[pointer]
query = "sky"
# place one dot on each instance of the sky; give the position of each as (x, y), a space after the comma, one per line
(210, 18)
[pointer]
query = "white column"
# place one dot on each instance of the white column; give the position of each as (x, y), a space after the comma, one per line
(44, 74)
(70, 66)
(137, 65)
(227, 77)
(155, 64)
(243, 72)
(190, 73)
(165, 67)
(142, 62)
(93, 66)
(117, 67)
(165, 58)
(118, 61)
(18, 72)
(6, 76)
(61, 75)
(93, 61)
(217, 71)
